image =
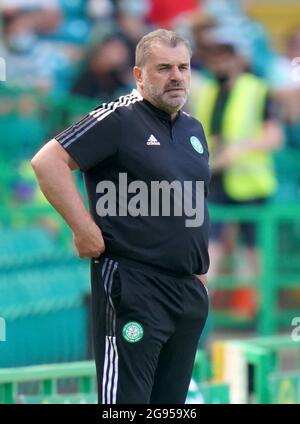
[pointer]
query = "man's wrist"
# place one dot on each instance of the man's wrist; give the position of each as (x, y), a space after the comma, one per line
(83, 226)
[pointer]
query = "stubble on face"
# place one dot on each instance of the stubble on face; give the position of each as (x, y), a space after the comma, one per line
(170, 98)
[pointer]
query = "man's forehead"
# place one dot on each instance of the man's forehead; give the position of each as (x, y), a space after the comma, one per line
(162, 53)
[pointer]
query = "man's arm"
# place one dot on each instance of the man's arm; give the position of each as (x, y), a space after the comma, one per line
(53, 168)
(271, 140)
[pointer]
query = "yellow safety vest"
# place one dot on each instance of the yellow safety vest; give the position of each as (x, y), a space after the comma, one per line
(253, 175)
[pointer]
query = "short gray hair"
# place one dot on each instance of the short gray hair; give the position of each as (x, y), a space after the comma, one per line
(163, 36)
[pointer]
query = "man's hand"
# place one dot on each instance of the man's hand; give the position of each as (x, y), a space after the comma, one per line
(88, 241)
(227, 156)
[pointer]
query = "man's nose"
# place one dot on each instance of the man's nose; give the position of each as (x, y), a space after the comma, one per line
(176, 75)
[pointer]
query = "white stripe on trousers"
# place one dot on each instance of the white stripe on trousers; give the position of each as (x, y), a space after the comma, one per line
(111, 359)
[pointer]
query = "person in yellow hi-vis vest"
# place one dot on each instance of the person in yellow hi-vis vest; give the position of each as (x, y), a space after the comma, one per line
(242, 126)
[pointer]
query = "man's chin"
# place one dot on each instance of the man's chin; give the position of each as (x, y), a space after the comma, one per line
(175, 101)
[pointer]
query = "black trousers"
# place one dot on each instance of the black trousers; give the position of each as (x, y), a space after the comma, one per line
(146, 328)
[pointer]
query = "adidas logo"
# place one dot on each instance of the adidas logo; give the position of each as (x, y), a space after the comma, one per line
(152, 141)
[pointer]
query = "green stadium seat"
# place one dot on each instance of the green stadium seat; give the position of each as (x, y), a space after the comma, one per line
(288, 174)
(46, 314)
(21, 245)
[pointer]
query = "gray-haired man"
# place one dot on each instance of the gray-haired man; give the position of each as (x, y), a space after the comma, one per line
(149, 305)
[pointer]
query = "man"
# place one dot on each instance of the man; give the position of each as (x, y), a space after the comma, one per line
(149, 308)
(242, 126)
(108, 74)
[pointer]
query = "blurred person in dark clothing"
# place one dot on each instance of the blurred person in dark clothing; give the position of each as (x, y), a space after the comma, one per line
(107, 74)
(201, 31)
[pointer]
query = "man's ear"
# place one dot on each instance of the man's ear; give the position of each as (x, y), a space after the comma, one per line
(137, 73)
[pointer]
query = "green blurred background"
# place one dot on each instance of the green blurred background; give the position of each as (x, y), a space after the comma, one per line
(62, 59)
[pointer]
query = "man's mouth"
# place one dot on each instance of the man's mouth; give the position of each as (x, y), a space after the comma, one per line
(175, 89)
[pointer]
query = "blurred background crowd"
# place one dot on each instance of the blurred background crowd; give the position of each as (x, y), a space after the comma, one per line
(63, 57)
(61, 53)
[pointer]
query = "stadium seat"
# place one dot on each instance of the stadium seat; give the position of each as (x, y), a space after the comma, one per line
(288, 174)
(45, 312)
(17, 245)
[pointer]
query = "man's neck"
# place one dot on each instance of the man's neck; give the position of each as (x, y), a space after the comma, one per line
(234, 77)
(172, 114)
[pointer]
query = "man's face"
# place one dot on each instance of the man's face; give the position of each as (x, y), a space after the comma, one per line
(221, 63)
(165, 78)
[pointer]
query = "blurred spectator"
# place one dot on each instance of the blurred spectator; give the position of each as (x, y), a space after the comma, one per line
(131, 25)
(38, 16)
(280, 71)
(107, 74)
(293, 44)
(201, 29)
(284, 76)
(293, 106)
(100, 9)
(241, 124)
(28, 62)
(32, 61)
(201, 33)
(231, 15)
